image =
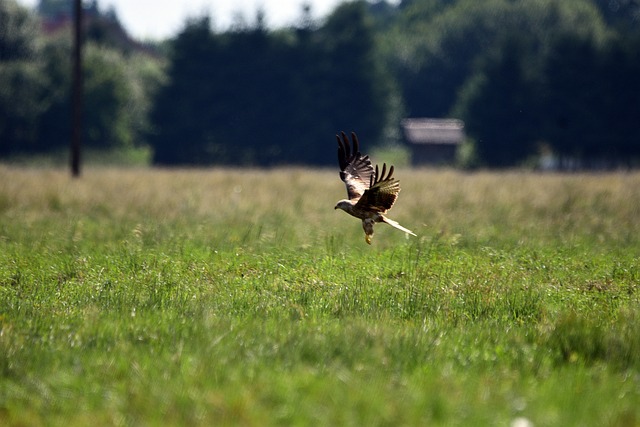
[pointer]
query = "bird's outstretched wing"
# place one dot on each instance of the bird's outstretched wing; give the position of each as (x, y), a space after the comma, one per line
(382, 192)
(356, 169)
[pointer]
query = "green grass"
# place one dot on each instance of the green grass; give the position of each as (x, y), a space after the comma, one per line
(240, 297)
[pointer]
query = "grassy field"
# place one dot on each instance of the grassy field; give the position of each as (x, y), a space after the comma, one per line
(240, 297)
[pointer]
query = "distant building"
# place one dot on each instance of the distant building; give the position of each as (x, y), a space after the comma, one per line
(433, 142)
(102, 27)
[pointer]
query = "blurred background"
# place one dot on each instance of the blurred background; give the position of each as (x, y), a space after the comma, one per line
(466, 83)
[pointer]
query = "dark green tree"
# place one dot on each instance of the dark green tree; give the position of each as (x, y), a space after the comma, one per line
(54, 125)
(437, 46)
(35, 89)
(107, 99)
(183, 113)
(116, 97)
(498, 106)
(18, 32)
(592, 101)
(21, 78)
(620, 102)
(621, 14)
(254, 97)
(573, 124)
(353, 89)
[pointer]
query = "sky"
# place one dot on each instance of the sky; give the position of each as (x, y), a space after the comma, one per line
(157, 20)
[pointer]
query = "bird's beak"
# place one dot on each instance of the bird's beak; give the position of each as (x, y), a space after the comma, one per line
(335, 207)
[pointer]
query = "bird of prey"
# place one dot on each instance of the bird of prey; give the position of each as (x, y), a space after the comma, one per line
(370, 193)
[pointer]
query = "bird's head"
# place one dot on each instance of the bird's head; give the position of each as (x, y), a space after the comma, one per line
(345, 205)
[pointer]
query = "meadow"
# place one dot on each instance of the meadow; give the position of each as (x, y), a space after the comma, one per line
(137, 296)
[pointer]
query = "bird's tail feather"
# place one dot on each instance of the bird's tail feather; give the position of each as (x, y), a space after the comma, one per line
(398, 226)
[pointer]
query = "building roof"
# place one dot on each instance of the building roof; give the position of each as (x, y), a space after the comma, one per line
(433, 131)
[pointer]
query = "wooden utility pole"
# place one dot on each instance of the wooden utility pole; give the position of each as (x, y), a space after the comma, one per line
(76, 120)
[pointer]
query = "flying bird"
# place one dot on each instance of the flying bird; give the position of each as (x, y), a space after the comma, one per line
(370, 193)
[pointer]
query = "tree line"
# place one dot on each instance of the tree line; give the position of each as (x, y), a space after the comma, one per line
(531, 76)
(251, 97)
(35, 84)
(526, 76)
